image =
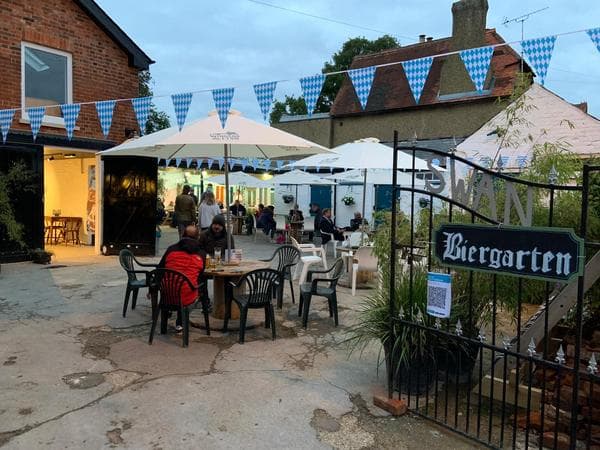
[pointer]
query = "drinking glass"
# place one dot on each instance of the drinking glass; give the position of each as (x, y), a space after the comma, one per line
(217, 258)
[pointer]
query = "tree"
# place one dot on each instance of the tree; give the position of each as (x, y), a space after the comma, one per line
(340, 61)
(157, 120)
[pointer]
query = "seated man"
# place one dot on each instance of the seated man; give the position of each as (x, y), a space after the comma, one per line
(327, 228)
(266, 221)
(186, 257)
(356, 223)
(215, 237)
(237, 209)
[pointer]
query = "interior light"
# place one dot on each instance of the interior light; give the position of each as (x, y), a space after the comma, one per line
(70, 155)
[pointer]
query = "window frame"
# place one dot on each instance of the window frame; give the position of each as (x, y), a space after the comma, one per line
(51, 121)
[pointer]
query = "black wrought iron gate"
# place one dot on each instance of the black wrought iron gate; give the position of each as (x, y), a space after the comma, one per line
(493, 371)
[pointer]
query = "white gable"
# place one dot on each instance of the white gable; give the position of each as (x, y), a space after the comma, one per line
(548, 120)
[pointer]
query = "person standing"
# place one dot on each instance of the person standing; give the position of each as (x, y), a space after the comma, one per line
(207, 210)
(237, 209)
(185, 209)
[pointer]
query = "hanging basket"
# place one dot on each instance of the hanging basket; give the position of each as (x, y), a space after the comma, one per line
(287, 198)
(348, 200)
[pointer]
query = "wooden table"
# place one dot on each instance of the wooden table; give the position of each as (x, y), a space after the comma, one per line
(224, 274)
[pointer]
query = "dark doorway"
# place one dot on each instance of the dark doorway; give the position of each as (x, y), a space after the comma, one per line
(129, 218)
(321, 195)
(25, 198)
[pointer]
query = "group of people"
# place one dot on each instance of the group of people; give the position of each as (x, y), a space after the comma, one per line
(327, 228)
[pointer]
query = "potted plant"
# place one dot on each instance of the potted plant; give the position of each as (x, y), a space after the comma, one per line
(40, 256)
(287, 198)
(348, 200)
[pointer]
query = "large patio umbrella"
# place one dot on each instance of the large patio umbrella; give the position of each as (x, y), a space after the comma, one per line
(206, 138)
(300, 178)
(363, 154)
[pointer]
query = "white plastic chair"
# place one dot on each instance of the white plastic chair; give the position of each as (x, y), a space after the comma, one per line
(354, 240)
(257, 230)
(311, 255)
(364, 261)
(333, 243)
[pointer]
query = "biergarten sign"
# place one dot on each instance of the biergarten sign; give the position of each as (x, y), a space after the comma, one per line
(552, 254)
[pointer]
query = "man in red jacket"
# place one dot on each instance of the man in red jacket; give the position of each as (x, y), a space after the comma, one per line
(186, 257)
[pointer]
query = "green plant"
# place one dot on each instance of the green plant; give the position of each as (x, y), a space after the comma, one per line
(17, 179)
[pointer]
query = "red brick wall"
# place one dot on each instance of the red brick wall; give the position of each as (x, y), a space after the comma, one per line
(101, 69)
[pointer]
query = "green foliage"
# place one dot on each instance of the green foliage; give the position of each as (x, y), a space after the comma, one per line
(341, 60)
(157, 120)
(17, 179)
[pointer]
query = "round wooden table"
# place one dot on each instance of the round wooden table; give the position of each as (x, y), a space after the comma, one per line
(225, 273)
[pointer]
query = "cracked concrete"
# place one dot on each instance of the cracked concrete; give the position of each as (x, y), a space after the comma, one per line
(75, 374)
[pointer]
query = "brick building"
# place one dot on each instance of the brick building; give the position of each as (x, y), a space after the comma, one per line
(55, 52)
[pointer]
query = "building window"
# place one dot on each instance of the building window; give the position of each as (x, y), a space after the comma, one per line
(46, 79)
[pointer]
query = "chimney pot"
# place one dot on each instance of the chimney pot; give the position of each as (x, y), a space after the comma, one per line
(429, 39)
(421, 38)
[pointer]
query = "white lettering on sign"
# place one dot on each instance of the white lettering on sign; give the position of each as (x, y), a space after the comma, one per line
(458, 249)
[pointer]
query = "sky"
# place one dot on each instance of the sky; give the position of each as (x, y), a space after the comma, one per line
(207, 44)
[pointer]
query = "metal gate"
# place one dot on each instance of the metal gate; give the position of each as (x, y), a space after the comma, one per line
(494, 371)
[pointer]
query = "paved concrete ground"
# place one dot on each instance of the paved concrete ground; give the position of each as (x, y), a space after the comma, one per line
(75, 374)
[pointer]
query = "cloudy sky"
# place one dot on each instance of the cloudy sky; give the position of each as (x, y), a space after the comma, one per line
(205, 44)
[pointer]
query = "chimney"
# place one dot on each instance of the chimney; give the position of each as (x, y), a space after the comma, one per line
(468, 23)
(429, 38)
(421, 38)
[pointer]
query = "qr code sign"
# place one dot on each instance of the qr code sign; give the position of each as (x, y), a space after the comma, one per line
(436, 296)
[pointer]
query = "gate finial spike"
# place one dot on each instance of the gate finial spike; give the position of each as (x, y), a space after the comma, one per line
(459, 330)
(593, 365)
(481, 335)
(531, 348)
(560, 355)
(506, 342)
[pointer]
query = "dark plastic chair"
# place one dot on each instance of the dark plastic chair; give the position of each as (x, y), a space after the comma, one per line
(128, 263)
(169, 283)
(287, 256)
(258, 290)
(307, 290)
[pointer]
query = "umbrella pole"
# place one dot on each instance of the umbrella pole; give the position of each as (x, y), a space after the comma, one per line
(364, 201)
(227, 217)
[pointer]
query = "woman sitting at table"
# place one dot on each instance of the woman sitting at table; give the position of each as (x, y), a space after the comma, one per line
(356, 222)
(215, 237)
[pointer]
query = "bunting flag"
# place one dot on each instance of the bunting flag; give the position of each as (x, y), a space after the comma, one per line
(209, 163)
(231, 163)
(177, 162)
(477, 62)
(416, 72)
(188, 162)
(199, 162)
(594, 35)
(223, 98)
(181, 103)
(70, 114)
(255, 163)
(36, 115)
(267, 164)
(167, 162)
(502, 162)
(486, 161)
(521, 161)
(141, 107)
(105, 111)
(538, 53)
(280, 164)
(264, 95)
(6, 117)
(362, 80)
(311, 89)
(221, 161)
(304, 168)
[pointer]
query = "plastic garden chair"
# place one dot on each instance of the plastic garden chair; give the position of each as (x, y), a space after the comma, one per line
(128, 263)
(168, 284)
(364, 261)
(325, 285)
(257, 287)
(310, 256)
(287, 256)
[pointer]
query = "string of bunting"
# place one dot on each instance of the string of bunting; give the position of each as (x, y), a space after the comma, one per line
(538, 53)
(255, 163)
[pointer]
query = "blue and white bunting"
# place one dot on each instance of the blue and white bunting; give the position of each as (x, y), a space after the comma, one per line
(168, 162)
(416, 72)
(70, 114)
(255, 163)
(503, 162)
(264, 95)
(362, 80)
(594, 35)
(485, 161)
(244, 163)
(181, 103)
(221, 162)
(521, 161)
(311, 89)
(223, 98)
(105, 111)
(538, 53)
(267, 164)
(141, 107)
(304, 168)
(188, 162)
(36, 115)
(231, 163)
(280, 165)
(6, 117)
(477, 62)
(209, 163)
(199, 162)
(177, 162)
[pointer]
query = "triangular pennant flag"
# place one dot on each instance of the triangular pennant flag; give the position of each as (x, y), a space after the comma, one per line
(6, 117)
(209, 163)
(255, 163)
(264, 95)
(267, 164)
(502, 162)
(199, 162)
(331, 170)
(538, 53)
(362, 80)
(311, 89)
(141, 106)
(416, 72)
(158, 159)
(231, 164)
(594, 35)
(221, 161)
(70, 114)
(36, 115)
(223, 98)
(486, 161)
(244, 163)
(317, 168)
(279, 164)
(177, 162)
(105, 111)
(167, 162)
(304, 168)
(181, 103)
(477, 62)
(521, 161)
(188, 162)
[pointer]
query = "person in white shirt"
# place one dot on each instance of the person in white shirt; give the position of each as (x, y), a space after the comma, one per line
(207, 210)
